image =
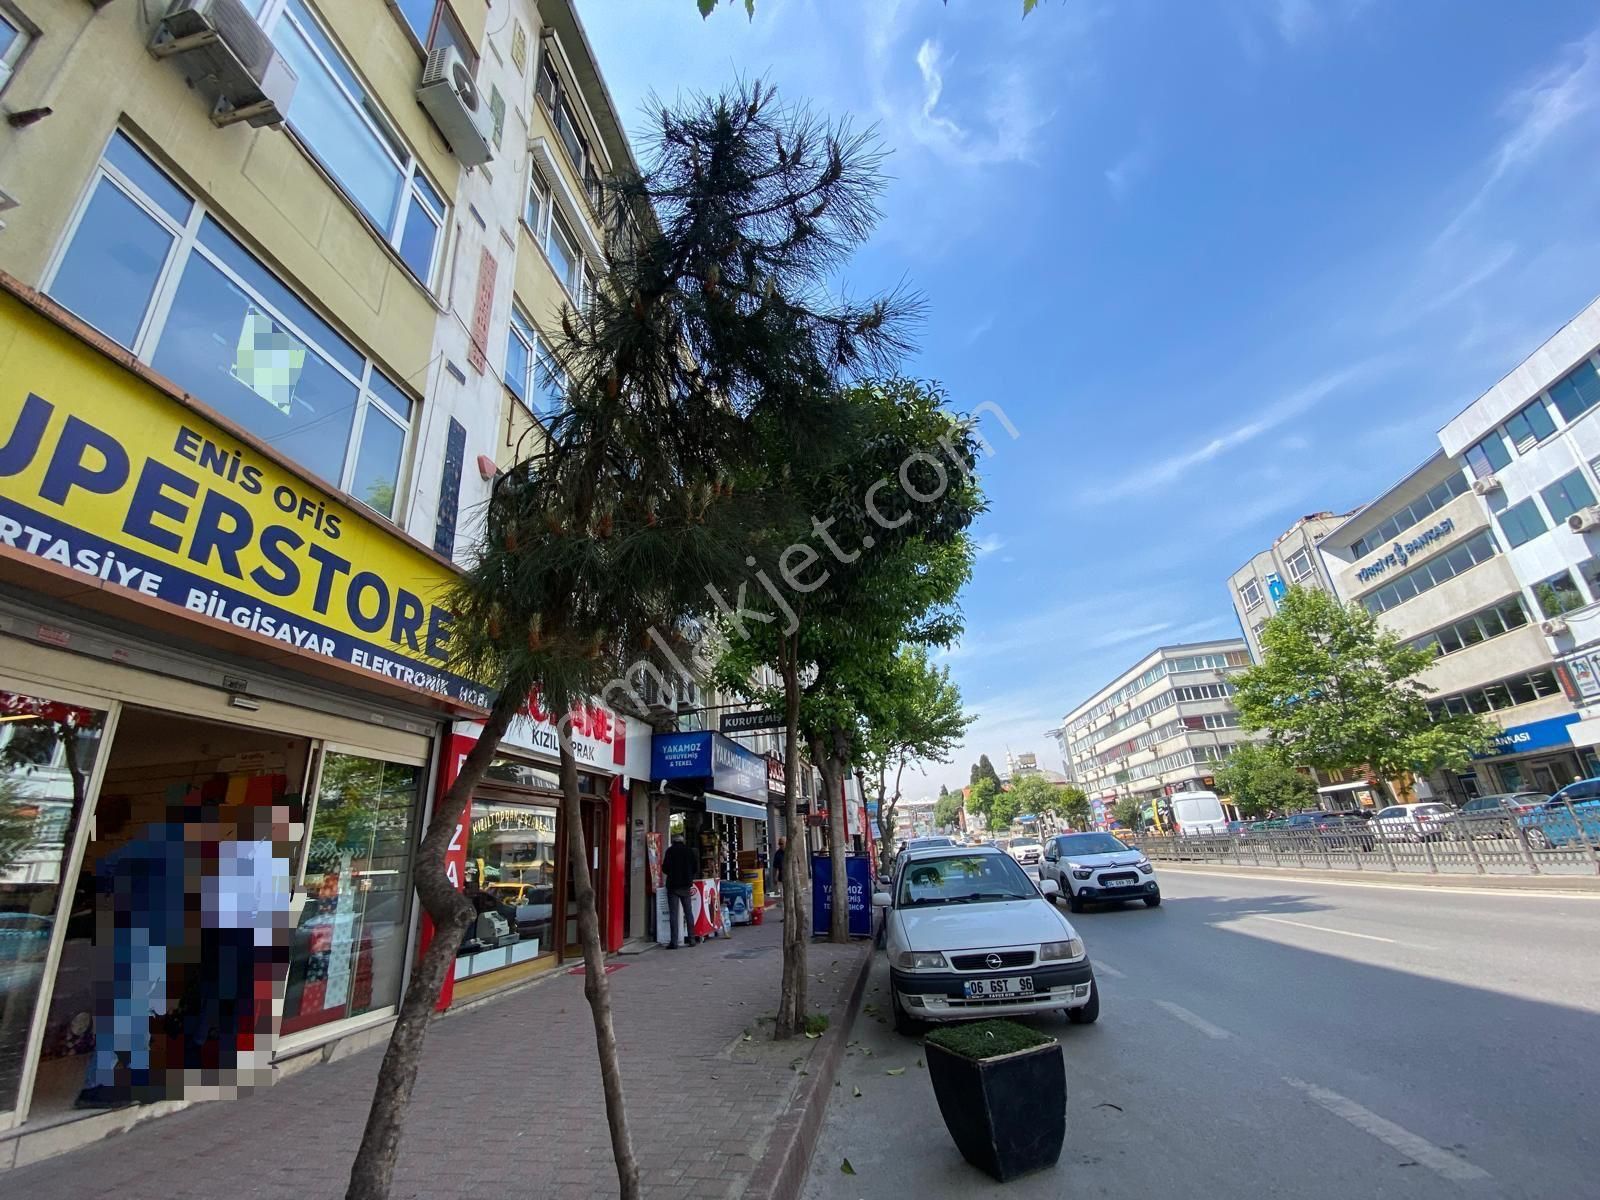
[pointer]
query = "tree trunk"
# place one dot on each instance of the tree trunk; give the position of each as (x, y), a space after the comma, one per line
(373, 1170)
(596, 983)
(833, 784)
(792, 993)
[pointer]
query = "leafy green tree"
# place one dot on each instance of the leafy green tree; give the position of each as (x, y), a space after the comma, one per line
(947, 812)
(1337, 691)
(918, 717)
(1129, 813)
(712, 326)
(984, 769)
(1073, 804)
(1033, 793)
(1258, 781)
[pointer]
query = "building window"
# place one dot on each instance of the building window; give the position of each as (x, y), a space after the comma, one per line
(1299, 565)
(16, 35)
(339, 123)
(531, 370)
(555, 237)
(1522, 522)
(537, 208)
(148, 267)
(1558, 594)
(1477, 549)
(563, 115)
(1411, 514)
(434, 26)
(1491, 622)
(1567, 495)
(1488, 456)
(1577, 392)
(1506, 693)
(1250, 593)
(1530, 426)
(564, 254)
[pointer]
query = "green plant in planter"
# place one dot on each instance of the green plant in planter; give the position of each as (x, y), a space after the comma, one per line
(1002, 1090)
(988, 1039)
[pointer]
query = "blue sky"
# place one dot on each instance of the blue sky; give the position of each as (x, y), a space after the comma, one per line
(1221, 263)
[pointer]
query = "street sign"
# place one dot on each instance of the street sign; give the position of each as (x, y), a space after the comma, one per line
(749, 722)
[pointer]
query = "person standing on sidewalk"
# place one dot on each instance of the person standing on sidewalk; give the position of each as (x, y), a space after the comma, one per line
(682, 866)
(777, 865)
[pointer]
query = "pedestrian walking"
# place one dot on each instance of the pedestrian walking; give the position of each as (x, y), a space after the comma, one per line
(777, 866)
(682, 867)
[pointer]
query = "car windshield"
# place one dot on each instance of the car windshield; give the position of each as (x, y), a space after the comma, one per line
(963, 879)
(1091, 843)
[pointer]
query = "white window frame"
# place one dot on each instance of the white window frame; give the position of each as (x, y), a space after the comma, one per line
(27, 31)
(186, 243)
(1250, 593)
(407, 165)
(1297, 576)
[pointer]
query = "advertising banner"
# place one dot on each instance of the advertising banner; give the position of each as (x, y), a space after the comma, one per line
(719, 764)
(103, 474)
(858, 876)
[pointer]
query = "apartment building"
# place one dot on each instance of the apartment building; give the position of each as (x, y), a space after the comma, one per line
(1163, 725)
(1291, 561)
(277, 279)
(1428, 559)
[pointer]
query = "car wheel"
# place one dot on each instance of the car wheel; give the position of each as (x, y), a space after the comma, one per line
(1152, 901)
(1089, 1013)
(1075, 902)
(1539, 839)
(904, 1022)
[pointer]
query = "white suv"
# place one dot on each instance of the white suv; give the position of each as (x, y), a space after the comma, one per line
(1094, 867)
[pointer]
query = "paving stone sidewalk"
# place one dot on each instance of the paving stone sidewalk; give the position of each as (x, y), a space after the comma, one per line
(508, 1102)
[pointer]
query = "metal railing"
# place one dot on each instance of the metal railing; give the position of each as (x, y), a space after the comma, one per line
(1562, 840)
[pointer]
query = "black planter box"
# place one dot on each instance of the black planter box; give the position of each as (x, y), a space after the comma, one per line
(1007, 1115)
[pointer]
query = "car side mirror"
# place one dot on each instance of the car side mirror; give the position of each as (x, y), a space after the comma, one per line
(1052, 856)
(881, 900)
(1049, 888)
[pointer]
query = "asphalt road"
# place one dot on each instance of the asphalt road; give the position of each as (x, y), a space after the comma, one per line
(1274, 1037)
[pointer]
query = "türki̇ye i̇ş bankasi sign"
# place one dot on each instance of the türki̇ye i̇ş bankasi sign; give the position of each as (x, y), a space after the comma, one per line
(103, 474)
(1402, 552)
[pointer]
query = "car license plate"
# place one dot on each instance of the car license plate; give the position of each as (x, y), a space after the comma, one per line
(983, 989)
(1119, 882)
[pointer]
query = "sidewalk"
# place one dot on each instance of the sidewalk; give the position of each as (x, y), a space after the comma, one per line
(508, 1100)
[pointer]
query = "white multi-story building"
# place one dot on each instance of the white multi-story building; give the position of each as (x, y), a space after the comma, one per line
(1291, 561)
(1163, 725)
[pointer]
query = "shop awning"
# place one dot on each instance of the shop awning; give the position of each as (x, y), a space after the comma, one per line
(729, 807)
(1360, 785)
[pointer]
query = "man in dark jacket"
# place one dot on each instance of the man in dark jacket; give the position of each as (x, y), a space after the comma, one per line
(682, 868)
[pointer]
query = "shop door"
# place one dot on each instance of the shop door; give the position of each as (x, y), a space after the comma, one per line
(50, 749)
(594, 842)
(1544, 779)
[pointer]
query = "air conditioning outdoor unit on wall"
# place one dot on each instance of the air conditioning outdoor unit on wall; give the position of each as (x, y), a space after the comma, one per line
(452, 99)
(1554, 627)
(1585, 519)
(227, 58)
(1482, 487)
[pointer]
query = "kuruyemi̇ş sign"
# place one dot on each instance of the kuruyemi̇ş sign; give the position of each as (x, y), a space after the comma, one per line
(102, 474)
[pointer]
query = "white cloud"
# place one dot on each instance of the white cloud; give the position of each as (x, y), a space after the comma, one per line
(998, 125)
(988, 545)
(1138, 479)
(1131, 633)
(1128, 170)
(1540, 111)
(1295, 20)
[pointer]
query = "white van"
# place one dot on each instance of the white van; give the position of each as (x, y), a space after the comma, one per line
(1198, 812)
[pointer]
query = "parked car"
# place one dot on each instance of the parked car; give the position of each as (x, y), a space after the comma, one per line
(969, 935)
(1026, 851)
(933, 842)
(1239, 828)
(1334, 830)
(1496, 816)
(1098, 867)
(1569, 818)
(1266, 825)
(1413, 822)
(1198, 812)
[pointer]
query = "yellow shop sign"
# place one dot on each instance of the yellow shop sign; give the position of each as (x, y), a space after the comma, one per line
(103, 474)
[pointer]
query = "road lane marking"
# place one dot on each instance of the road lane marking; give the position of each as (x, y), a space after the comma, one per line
(1447, 889)
(1102, 967)
(1195, 1020)
(1371, 937)
(1436, 1159)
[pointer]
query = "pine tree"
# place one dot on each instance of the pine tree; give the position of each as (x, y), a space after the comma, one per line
(712, 320)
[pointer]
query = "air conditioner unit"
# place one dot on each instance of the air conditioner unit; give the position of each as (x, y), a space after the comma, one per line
(1554, 627)
(1482, 487)
(1585, 519)
(452, 99)
(228, 58)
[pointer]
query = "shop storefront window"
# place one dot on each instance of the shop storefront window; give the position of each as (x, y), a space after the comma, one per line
(47, 754)
(511, 880)
(350, 944)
